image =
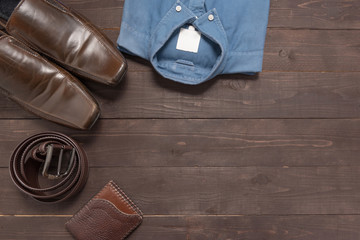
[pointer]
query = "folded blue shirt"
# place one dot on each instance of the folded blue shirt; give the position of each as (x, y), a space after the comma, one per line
(192, 41)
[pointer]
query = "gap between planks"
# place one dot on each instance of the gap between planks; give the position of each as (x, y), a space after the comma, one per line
(190, 215)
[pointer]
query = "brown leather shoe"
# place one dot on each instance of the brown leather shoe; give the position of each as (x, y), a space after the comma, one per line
(43, 88)
(60, 33)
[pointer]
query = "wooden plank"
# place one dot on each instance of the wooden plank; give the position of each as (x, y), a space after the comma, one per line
(204, 143)
(210, 190)
(201, 228)
(221, 178)
(269, 95)
(312, 50)
(321, 14)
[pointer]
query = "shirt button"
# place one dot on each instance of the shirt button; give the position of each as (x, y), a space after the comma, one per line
(178, 8)
(211, 17)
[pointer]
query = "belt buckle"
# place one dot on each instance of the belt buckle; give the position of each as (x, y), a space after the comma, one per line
(49, 158)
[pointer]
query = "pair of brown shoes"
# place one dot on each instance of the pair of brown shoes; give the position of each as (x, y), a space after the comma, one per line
(39, 30)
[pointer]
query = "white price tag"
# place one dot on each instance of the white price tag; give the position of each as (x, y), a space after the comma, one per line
(189, 40)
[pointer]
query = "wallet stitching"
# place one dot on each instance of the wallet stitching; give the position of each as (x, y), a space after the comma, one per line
(133, 227)
(86, 207)
(115, 208)
(102, 190)
(132, 204)
(117, 192)
(124, 198)
(123, 195)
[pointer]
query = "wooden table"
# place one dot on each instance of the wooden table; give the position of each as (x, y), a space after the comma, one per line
(269, 157)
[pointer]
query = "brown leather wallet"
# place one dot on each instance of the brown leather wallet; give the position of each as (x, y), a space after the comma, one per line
(109, 215)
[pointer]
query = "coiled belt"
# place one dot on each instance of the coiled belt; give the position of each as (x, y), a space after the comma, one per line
(56, 157)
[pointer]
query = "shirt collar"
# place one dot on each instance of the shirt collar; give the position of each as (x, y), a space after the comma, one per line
(173, 20)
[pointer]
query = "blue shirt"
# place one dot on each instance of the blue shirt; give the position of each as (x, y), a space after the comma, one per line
(166, 32)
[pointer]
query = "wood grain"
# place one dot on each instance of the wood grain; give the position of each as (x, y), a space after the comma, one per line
(320, 14)
(312, 50)
(204, 143)
(268, 95)
(274, 156)
(201, 228)
(211, 190)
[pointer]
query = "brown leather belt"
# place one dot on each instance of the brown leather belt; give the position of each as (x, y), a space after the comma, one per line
(36, 156)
